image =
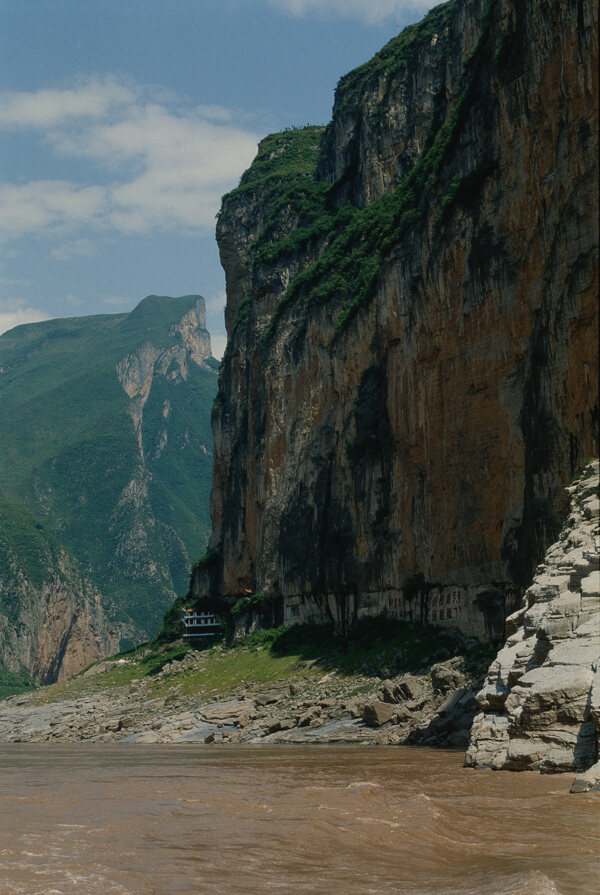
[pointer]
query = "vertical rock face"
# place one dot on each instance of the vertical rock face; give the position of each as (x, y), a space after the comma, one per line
(410, 378)
(541, 699)
(52, 624)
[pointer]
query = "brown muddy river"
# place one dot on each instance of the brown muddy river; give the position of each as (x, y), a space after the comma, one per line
(157, 820)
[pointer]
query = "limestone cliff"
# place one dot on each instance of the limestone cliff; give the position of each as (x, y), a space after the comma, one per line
(540, 705)
(52, 624)
(410, 377)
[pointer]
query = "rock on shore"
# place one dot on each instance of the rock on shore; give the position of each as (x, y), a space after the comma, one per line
(433, 706)
(540, 704)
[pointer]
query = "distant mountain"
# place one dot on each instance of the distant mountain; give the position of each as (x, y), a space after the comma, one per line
(51, 619)
(106, 441)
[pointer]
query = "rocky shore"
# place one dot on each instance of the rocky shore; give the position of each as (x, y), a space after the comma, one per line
(434, 707)
(540, 705)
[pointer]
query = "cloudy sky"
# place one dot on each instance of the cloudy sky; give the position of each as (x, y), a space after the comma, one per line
(123, 122)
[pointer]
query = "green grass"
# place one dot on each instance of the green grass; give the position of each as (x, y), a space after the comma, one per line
(286, 158)
(374, 648)
(12, 684)
(26, 548)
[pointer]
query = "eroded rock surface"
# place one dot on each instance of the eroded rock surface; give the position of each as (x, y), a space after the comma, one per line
(540, 704)
(419, 412)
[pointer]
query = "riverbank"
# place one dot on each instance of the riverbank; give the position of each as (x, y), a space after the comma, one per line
(387, 684)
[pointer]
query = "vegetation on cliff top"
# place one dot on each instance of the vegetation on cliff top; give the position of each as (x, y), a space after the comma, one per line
(399, 54)
(347, 247)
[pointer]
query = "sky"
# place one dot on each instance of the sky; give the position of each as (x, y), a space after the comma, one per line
(123, 122)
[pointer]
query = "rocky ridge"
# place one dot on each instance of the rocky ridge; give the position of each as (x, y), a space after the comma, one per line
(540, 704)
(52, 623)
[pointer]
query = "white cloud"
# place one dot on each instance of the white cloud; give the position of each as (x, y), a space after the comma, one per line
(53, 107)
(156, 165)
(76, 248)
(216, 302)
(218, 342)
(42, 205)
(17, 316)
(371, 12)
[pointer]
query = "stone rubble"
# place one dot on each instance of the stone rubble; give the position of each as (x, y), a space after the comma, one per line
(540, 704)
(407, 708)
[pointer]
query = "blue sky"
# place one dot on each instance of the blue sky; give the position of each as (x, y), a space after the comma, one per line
(123, 122)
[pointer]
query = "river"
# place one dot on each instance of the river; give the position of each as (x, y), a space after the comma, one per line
(161, 820)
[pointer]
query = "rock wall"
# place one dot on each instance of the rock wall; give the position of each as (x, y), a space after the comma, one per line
(52, 624)
(410, 377)
(540, 704)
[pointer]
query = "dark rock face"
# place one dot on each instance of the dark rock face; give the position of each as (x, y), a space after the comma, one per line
(410, 379)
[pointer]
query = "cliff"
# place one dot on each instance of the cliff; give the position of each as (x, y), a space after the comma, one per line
(106, 441)
(540, 704)
(51, 620)
(410, 377)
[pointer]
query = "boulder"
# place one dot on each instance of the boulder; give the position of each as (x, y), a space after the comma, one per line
(280, 724)
(377, 713)
(589, 781)
(305, 719)
(445, 676)
(408, 687)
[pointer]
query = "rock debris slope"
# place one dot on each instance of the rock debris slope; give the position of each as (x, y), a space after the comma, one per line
(540, 704)
(410, 378)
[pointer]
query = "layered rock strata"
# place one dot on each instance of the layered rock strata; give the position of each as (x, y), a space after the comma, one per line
(410, 377)
(540, 705)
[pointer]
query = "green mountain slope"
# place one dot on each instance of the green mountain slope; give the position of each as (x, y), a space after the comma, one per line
(51, 618)
(105, 426)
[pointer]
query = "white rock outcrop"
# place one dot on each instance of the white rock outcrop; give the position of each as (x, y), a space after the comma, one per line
(540, 703)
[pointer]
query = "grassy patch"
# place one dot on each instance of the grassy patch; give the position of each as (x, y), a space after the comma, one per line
(374, 648)
(12, 683)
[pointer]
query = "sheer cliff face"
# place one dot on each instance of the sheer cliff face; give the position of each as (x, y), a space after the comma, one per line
(52, 624)
(410, 378)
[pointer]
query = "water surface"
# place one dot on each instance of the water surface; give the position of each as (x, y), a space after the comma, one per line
(161, 820)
